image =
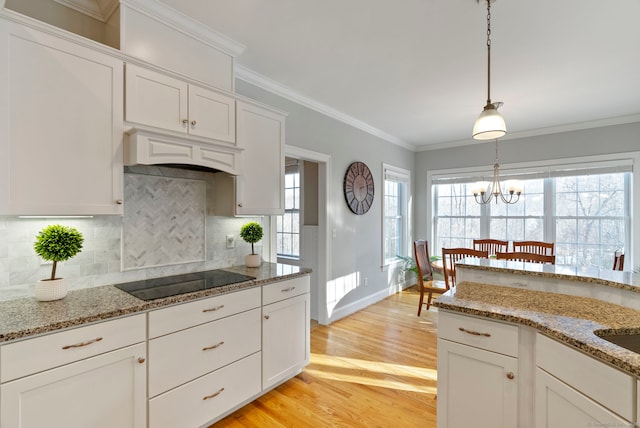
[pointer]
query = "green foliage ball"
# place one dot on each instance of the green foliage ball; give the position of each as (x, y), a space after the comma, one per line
(251, 232)
(58, 243)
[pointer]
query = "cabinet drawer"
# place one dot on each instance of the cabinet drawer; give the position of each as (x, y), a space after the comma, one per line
(179, 317)
(285, 289)
(481, 333)
(208, 397)
(608, 386)
(53, 350)
(177, 358)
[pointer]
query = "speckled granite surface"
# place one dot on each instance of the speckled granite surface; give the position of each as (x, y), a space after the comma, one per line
(570, 319)
(26, 317)
(611, 278)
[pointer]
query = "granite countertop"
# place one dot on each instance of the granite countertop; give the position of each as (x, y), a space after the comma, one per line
(26, 317)
(569, 319)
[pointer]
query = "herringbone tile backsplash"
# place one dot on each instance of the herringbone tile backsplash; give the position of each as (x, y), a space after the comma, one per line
(164, 221)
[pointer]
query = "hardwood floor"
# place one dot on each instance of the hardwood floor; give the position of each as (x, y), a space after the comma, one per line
(375, 368)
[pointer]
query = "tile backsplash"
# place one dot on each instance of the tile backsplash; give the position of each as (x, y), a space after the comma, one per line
(165, 230)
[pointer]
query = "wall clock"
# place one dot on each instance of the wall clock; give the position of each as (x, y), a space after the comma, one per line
(358, 188)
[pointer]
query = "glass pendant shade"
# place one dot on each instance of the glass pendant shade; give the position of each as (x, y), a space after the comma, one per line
(489, 125)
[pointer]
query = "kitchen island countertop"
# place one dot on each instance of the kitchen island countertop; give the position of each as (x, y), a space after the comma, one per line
(26, 317)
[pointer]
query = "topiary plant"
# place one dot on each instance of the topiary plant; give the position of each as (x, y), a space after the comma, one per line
(251, 232)
(58, 243)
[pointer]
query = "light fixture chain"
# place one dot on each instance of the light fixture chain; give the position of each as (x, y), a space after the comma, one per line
(488, 52)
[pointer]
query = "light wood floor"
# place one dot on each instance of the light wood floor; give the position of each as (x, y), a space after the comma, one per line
(375, 368)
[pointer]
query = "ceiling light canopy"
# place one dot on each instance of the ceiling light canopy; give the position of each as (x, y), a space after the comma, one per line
(490, 124)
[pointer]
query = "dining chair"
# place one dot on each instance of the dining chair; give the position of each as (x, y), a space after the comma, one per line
(451, 256)
(618, 260)
(537, 247)
(426, 284)
(523, 256)
(491, 245)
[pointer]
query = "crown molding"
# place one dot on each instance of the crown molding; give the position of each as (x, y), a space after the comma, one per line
(270, 85)
(579, 126)
(97, 9)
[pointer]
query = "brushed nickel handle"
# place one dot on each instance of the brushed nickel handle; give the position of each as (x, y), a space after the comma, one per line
(185, 121)
(141, 360)
(217, 308)
(81, 344)
(267, 317)
(286, 290)
(215, 394)
(119, 202)
(193, 123)
(475, 333)
(510, 375)
(217, 345)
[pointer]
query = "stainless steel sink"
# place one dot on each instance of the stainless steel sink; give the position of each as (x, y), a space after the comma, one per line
(627, 341)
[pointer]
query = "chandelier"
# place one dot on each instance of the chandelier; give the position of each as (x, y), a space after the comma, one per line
(484, 196)
(489, 124)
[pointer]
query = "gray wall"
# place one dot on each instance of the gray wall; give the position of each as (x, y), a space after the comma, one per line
(355, 252)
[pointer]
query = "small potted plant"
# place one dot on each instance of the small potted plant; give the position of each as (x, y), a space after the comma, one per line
(56, 243)
(252, 232)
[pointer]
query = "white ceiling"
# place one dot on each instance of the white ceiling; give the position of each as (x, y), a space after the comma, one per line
(414, 71)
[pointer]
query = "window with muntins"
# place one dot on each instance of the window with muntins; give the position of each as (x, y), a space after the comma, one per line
(395, 208)
(288, 225)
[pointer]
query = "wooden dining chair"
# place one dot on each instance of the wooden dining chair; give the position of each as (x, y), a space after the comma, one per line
(618, 261)
(491, 245)
(451, 256)
(426, 284)
(523, 256)
(536, 247)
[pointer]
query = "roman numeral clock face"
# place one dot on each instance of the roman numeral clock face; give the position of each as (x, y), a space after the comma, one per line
(358, 188)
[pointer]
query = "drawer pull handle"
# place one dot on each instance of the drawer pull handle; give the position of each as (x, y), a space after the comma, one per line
(217, 308)
(217, 345)
(286, 290)
(510, 375)
(81, 344)
(141, 360)
(475, 333)
(214, 395)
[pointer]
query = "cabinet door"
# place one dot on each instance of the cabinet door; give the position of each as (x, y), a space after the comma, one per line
(156, 100)
(285, 339)
(105, 391)
(61, 127)
(560, 406)
(476, 388)
(212, 115)
(260, 186)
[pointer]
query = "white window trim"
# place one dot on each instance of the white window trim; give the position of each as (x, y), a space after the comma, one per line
(576, 162)
(408, 221)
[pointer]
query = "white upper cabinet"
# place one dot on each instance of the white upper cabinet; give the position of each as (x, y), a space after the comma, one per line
(61, 127)
(160, 101)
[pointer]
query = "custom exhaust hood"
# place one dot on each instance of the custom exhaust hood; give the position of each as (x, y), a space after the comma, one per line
(145, 147)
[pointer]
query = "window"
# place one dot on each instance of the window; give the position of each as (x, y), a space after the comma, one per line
(584, 210)
(288, 225)
(395, 208)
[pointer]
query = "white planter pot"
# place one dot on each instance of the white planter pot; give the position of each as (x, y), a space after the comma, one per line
(48, 290)
(252, 260)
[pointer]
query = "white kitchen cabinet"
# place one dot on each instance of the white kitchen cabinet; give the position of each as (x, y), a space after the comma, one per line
(478, 373)
(164, 102)
(559, 406)
(574, 389)
(61, 126)
(285, 330)
(259, 188)
(92, 376)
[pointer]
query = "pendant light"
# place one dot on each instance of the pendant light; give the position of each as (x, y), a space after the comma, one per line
(484, 192)
(490, 124)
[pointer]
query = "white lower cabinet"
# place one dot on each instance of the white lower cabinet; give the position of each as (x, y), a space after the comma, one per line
(477, 386)
(285, 330)
(204, 399)
(105, 391)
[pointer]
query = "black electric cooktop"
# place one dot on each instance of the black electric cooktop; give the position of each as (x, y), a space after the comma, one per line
(157, 288)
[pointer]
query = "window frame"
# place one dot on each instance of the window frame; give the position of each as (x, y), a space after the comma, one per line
(300, 215)
(406, 215)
